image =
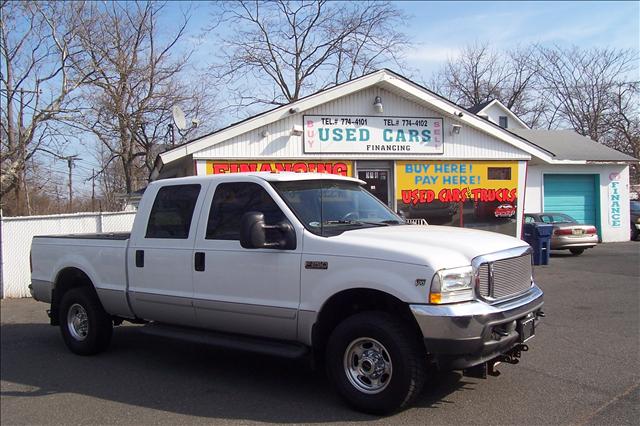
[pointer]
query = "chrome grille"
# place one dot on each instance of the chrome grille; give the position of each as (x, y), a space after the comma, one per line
(483, 282)
(503, 278)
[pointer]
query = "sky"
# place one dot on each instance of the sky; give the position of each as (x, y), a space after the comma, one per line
(439, 30)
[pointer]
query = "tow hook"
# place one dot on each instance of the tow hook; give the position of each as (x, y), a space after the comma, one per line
(512, 357)
(489, 368)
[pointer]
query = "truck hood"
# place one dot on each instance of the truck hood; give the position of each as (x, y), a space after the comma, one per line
(434, 246)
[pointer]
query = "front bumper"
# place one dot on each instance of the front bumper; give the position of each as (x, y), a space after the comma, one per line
(462, 335)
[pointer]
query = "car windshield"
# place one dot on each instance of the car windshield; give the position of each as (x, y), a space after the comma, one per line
(635, 205)
(557, 218)
(330, 207)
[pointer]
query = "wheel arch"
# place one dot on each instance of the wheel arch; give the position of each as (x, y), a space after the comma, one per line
(349, 302)
(67, 278)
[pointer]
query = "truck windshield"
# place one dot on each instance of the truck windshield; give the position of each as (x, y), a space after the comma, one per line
(330, 207)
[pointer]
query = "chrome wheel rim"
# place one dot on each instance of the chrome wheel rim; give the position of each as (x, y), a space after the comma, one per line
(78, 322)
(367, 365)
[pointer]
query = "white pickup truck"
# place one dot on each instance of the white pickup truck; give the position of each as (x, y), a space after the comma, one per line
(293, 265)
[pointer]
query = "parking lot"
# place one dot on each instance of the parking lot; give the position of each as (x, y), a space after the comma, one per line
(583, 368)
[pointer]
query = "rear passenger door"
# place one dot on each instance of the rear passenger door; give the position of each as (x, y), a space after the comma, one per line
(248, 291)
(160, 260)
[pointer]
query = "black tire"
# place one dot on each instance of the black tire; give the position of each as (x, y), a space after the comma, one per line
(404, 349)
(99, 326)
(576, 251)
(635, 233)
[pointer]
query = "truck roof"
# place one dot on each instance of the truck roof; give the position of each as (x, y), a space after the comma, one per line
(267, 176)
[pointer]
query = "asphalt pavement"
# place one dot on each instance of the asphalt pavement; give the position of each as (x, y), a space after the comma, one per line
(583, 368)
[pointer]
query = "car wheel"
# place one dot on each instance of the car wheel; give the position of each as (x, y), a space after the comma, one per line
(576, 251)
(85, 326)
(635, 233)
(376, 363)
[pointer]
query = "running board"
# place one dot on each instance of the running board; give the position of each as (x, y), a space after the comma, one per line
(229, 341)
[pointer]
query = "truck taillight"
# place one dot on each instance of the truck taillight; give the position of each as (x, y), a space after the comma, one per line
(563, 232)
(591, 230)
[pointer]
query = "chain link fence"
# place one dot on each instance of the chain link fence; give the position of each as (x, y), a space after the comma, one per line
(16, 234)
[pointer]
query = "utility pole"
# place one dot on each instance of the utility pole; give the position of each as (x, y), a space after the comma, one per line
(70, 159)
(93, 190)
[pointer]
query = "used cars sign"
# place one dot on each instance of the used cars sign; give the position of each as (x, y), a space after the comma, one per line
(359, 134)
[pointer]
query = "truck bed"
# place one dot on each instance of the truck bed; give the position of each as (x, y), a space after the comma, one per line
(118, 236)
(101, 257)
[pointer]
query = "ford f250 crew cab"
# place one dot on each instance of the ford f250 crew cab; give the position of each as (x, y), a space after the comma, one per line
(292, 265)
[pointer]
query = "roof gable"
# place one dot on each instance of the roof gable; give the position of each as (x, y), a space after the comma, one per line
(483, 109)
(384, 78)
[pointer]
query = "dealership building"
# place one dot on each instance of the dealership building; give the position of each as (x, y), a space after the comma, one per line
(424, 156)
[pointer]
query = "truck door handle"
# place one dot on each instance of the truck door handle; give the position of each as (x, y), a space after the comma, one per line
(199, 261)
(140, 258)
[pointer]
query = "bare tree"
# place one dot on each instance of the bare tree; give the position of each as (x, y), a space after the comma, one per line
(580, 86)
(278, 51)
(38, 82)
(480, 74)
(137, 80)
(623, 123)
(624, 119)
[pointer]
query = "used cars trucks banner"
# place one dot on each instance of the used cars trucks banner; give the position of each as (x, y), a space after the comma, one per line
(477, 194)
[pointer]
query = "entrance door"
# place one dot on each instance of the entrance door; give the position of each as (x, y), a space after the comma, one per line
(377, 183)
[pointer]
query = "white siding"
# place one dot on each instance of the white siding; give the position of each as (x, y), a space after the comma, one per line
(469, 144)
(534, 201)
(494, 112)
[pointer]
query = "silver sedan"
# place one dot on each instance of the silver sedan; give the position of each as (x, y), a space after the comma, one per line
(568, 234)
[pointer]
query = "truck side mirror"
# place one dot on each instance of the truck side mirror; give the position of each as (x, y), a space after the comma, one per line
(253, 233)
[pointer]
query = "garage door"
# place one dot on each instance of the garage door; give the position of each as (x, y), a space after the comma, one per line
(574, 195)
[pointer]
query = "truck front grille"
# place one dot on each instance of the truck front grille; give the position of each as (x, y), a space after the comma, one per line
(504, 278)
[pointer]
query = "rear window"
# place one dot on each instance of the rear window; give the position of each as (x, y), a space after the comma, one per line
(557, 218)
(172, 212)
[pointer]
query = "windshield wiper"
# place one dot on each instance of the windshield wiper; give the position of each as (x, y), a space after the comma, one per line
(361, 222)
(383, 223)
(342, 222)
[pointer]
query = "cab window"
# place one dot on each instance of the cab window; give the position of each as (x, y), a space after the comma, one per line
(172, 212)
(231, 201)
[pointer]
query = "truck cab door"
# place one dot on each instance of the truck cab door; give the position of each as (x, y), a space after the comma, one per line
(160, 255)
(248, 291)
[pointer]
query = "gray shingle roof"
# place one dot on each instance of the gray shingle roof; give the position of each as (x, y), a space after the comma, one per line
(569, 145)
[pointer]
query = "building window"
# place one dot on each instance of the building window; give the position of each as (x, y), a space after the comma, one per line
(504, 123)
(499, 173)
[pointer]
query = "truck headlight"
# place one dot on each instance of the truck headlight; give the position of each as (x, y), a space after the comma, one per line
(452, 285)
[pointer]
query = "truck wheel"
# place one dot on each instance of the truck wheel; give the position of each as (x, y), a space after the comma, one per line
(375, 362)
(86, 328)
(576, 251)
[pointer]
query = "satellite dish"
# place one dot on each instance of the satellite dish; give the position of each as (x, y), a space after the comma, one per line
(178, 118)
